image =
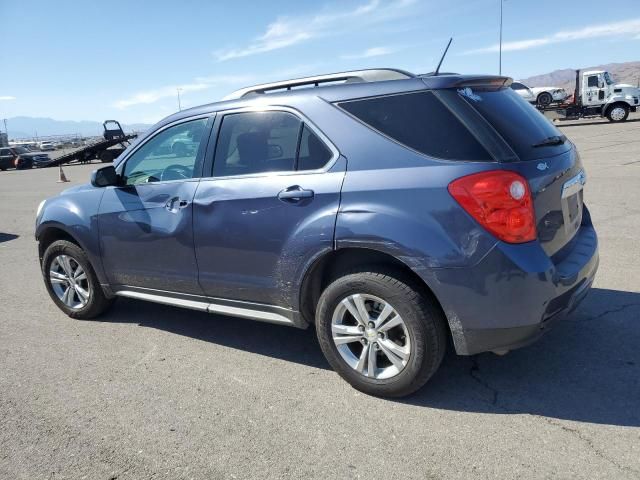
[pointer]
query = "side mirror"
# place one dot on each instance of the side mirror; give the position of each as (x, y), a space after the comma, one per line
(600, 84)
(104, 177)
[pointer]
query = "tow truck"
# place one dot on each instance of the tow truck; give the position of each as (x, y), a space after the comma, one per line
(106, 150)
(596, 95)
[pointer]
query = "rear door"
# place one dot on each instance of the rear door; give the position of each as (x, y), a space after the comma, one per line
(268, 207)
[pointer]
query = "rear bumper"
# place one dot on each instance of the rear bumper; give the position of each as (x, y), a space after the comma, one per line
(516, 294)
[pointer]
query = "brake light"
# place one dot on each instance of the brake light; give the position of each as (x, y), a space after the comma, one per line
(500, 201)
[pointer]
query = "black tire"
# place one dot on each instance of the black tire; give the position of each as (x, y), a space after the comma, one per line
(544, 99)
(617, 119)
(423, 319)
(97, 302)
(106, 156)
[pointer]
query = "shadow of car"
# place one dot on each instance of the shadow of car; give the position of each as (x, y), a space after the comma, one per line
(586, 370)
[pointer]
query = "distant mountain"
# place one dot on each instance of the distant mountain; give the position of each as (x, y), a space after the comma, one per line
(27, 127)
(628, 72)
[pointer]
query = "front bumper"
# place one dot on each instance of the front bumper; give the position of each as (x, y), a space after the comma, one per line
(516, 293)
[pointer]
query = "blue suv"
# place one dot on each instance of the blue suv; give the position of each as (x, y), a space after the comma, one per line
(394, 212)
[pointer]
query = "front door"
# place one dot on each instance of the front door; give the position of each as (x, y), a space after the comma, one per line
(593, 91)
(269, 207)
(146, 223)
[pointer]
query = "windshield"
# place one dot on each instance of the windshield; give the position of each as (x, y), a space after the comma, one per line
(20, 150)
(522, 126)
(608, 78)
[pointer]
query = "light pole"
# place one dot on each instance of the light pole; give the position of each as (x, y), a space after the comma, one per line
(179, 105)
(500, 48)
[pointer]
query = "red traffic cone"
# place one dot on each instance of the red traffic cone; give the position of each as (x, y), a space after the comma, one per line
(62, 178)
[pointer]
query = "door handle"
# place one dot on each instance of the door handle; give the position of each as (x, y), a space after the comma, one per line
(295, 194)
(175, 203)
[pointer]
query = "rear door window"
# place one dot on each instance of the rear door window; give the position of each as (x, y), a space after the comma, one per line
(269, 141)
(420, 121)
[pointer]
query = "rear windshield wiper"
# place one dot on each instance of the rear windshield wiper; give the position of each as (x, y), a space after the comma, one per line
(551, 141)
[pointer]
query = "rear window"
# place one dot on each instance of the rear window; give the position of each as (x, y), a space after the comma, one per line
(518, 122)
(419, 121)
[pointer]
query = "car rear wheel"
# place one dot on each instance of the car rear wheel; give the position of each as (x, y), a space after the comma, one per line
(71, 282)
(380, 333)
(618, 113)
(545, 99)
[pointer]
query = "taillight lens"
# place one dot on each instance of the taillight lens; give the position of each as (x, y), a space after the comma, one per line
(500, 201)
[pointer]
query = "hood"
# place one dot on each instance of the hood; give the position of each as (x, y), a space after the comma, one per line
(34, 154)
(77, 188)
(626, 86)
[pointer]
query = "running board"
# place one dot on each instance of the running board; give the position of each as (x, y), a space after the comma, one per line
(234, 311)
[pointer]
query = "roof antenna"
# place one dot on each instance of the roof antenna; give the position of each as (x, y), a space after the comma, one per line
(442, 58)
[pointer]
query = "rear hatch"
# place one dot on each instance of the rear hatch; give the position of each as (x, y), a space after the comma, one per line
(541, 154)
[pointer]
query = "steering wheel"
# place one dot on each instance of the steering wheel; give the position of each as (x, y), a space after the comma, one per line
(176, 172)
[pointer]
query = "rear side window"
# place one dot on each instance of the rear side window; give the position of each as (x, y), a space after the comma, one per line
(419, 121)
(314, 154)
(518, 122)
(259, 142)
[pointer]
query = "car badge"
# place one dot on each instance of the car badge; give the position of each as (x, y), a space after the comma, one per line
(542, 166)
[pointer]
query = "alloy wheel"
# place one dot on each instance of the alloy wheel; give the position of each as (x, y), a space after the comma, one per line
(69, 281)
(370, 335)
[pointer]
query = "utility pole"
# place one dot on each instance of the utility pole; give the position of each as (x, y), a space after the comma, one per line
(500, 54)
(179, 105)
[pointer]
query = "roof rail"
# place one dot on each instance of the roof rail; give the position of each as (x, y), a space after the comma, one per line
(354, 76)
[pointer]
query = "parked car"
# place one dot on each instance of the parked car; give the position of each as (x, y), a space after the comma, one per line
(545, 96)
(524, 91)
(20, 158)
(541, 96)
(47, 146)
(391, 211)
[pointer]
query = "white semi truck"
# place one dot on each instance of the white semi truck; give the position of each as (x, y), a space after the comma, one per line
(597, 95)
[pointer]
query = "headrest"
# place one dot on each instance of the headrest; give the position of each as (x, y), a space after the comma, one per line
(252, 147)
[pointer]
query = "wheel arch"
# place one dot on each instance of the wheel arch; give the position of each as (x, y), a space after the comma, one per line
(331, 264)
(612, 104)
(50, 233)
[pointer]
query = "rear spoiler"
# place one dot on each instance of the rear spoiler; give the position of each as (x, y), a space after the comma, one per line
(481, 82)
(485, 83)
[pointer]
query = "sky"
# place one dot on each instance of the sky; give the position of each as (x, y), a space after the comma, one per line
(94, 60)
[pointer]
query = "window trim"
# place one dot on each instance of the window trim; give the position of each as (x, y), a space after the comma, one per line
(210, 160)
(202, 149)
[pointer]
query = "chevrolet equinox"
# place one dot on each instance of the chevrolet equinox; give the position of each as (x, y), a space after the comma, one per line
(396, 213)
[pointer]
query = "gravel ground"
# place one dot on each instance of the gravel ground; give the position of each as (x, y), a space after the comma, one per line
(150, 391)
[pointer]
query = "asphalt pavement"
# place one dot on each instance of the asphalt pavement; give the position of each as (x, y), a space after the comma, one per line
(154, 392)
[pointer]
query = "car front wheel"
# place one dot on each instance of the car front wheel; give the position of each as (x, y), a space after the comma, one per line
(380, 333)
(71, 282)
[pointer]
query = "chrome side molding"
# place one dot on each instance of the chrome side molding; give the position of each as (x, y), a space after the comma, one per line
(205, 306)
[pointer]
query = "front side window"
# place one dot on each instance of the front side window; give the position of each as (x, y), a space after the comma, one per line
(592, 81)
(269, 141)
(608, 78)
(517, 86)
(170, 155)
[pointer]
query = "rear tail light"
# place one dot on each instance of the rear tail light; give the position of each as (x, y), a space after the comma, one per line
(500, 201)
